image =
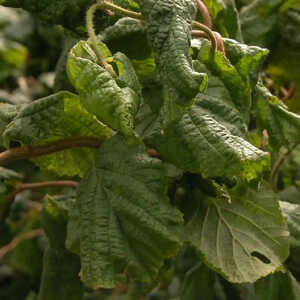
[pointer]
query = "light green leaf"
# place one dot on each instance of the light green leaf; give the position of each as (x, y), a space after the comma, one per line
(281, 285)
(244, 239)
(282, 125)
(56, 117)
(13, 57)
(125, 217)
(169, 26)
(99, 92)
(246, 59)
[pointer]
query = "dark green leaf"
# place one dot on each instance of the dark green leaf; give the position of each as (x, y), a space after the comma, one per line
(169, 26)
(125, 217)
(198, 281)
(128, 35)
(281, 285)
(60, 279)
(210, 137)
(259, 21)
(69, 13)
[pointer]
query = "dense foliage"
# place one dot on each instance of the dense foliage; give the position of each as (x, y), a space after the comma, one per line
(158, 159)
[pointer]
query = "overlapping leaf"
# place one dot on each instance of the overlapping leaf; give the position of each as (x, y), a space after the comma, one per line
(60, 278)
(13, 57)
(199, 279)
(128, 36)
(210, 138)
(99, 92)
(125, 217)
(281, 285)
(68, 13)
(283, 126)
(8, 180)
(291, 212)
(225, 18)
(56, 117)
(244, 239)
(169, 26)
(259, 21)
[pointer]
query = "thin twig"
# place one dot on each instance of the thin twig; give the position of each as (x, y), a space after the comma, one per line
(27, 152)
(92, 34)
(208, 31)
(219, 40)
(119, 10)
(16, 241)
(204, 13)
(31, 186)
(288, 93)
(216, 39)
(278, 164)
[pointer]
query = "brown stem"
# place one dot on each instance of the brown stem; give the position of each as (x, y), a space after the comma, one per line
(208, 31)
(288, 93)
(278, 164)
(220, 42)
(14, 243)
(204, 13)
(38, 185)
(217, 41)
(27, 152)
(31, 186)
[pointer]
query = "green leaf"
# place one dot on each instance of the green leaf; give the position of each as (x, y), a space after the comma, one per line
(291, 212)
(244, 239)
(8, 180)
(225, 18)
(259, 21)
(60, 278)
(27, 256)
(199, 279)
(127, 72)
(125, 218)
(128, 36)
(13, 58)
(233, 70)
(68, 13)
(210, 137)
(53, 118)
(99, 92)
(282, 125)
(169, 26)
(246, 59)
(198, 143)
(281, 285)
